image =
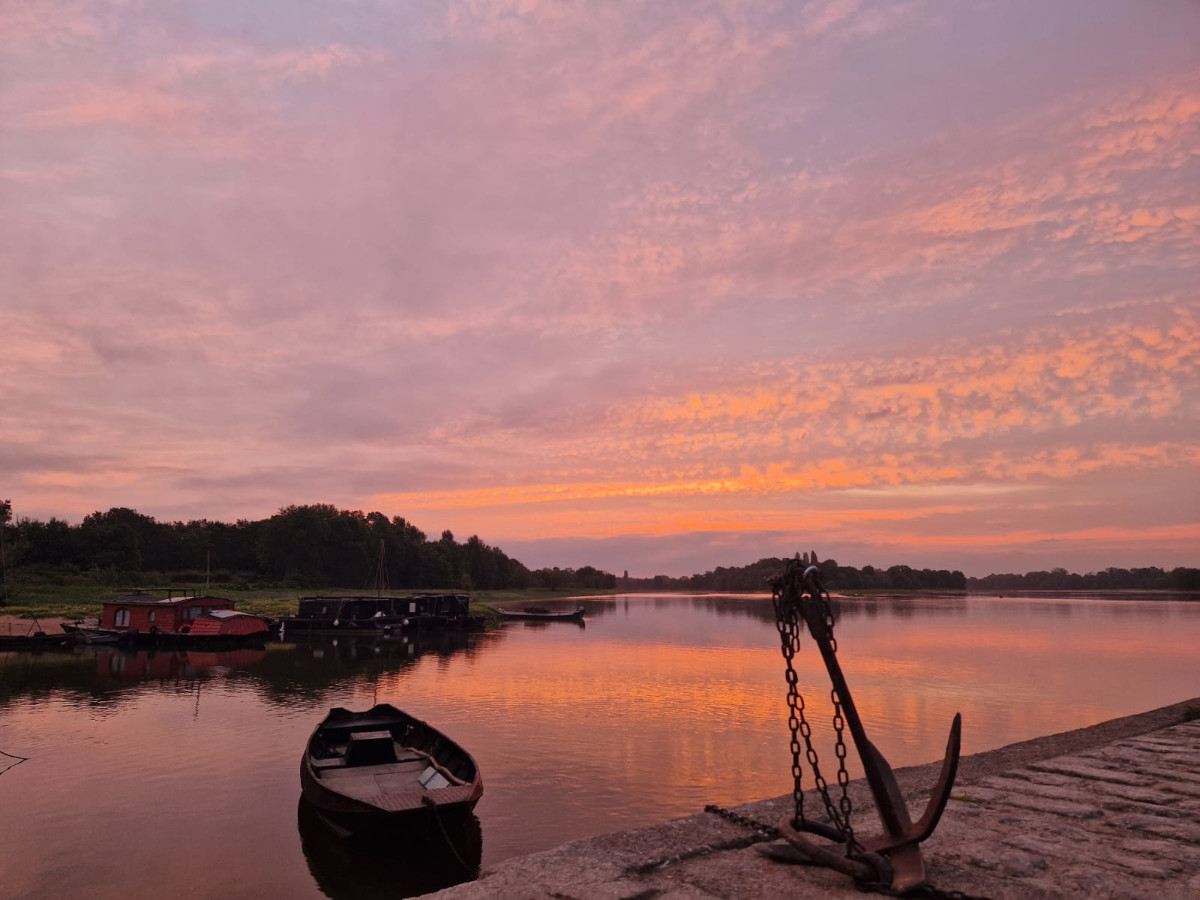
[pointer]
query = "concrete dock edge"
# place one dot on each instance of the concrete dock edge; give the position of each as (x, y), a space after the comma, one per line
(1111, 810)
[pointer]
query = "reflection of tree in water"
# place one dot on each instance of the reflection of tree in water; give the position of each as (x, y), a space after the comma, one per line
(308, 669)
(394, 861)
(760, 608)
(900, 606)
(752, 606)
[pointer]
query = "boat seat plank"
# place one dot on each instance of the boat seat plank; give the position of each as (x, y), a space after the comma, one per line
(394, 783)
(413, 767)
(403, 755)
(342, 729)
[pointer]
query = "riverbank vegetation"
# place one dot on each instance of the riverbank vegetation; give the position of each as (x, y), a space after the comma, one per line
(300, 547)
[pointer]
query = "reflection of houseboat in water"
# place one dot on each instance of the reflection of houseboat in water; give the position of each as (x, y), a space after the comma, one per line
(379, 615)
(395, 647)
(172, 665)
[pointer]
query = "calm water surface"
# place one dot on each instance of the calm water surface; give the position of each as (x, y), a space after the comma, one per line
(148, 770)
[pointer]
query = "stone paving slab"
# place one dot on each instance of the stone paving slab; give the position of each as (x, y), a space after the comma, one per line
(1106, 812)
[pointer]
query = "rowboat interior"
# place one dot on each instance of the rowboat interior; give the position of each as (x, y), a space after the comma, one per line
(385, 763)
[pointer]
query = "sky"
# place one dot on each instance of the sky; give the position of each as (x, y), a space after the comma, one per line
(654, 287)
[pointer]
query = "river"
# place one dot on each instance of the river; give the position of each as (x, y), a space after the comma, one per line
(147, 773)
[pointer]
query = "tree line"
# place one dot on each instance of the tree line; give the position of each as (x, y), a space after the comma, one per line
(321, 546)
(756, 577)
(1110, 579)
(313, 546)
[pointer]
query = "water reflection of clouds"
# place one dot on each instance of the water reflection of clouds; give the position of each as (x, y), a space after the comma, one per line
(658, 707)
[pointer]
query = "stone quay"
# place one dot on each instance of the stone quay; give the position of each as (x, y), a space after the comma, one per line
(1108, 811)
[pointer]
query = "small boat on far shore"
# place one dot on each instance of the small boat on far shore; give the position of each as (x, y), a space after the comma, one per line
(38, 640)
(541, 614)
(87, 634)
(364, 770)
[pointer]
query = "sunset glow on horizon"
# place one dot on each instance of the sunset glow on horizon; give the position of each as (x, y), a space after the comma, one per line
(651, 287)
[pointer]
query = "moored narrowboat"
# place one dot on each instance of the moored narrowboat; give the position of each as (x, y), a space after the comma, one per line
(379, 615)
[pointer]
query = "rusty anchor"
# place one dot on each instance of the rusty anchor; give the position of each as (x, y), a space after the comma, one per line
(893, 858)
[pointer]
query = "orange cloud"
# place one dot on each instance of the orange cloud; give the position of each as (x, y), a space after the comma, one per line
(94, 105)
(1175, 537)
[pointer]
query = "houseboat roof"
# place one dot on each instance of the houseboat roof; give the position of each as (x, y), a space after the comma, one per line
(151, 600)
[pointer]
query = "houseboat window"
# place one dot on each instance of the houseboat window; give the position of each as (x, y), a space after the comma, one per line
(121, 618)
(412, 607)
(150, 615)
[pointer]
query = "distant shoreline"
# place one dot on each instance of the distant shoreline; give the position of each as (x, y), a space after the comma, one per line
(55, 604)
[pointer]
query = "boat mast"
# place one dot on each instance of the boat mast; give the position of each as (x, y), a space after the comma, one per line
(5, 511)
(381, 572)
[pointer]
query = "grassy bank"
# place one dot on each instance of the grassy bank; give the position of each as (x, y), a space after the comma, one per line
(81, 599)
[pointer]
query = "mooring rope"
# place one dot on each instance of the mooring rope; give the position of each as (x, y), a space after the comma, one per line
(19, 760)
(468, 869)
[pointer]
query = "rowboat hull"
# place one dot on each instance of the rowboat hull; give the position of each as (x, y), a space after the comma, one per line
(574, 615)
(32, 641)
(86, 635)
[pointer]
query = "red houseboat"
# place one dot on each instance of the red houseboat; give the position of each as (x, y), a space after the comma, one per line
(148, 614)
(187, 619)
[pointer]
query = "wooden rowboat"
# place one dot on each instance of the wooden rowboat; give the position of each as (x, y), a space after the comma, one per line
(36, 641)
(84, 634)
(363, 770)
(541, 614)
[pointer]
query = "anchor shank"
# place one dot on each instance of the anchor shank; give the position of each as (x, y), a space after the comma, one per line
(893, 812)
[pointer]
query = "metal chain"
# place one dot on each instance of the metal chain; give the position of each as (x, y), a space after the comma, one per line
(787, 596)
(788, 623)
(761, 833)
(769, 832)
